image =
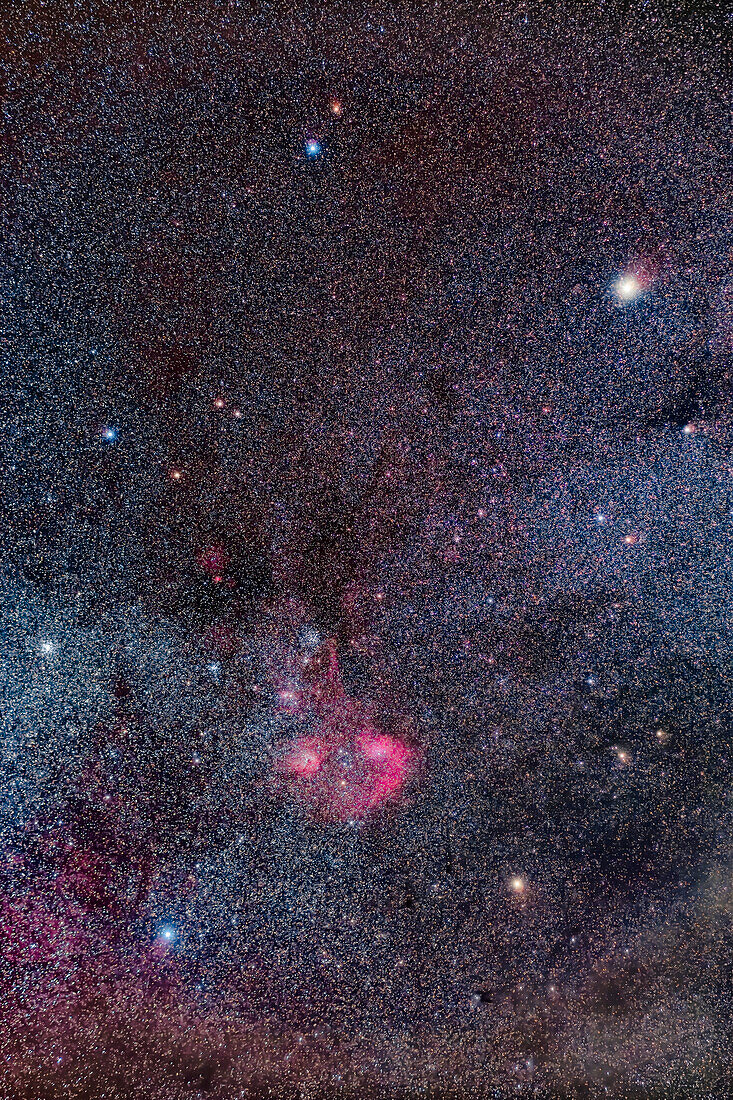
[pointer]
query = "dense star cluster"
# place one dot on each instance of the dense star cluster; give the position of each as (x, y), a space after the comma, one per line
(366, 551)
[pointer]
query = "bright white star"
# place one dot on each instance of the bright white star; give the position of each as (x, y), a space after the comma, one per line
(628, 288)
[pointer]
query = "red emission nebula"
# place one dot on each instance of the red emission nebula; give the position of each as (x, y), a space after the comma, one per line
(345, 766)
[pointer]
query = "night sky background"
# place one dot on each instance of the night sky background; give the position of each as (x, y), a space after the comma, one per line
(367, 455)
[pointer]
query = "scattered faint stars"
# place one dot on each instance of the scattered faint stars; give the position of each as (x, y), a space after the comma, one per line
(366, 558)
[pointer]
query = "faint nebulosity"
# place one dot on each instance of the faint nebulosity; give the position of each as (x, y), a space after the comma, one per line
(367, 453)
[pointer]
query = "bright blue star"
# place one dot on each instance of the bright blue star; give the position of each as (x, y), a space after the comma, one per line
(313, 148)
(109, 434)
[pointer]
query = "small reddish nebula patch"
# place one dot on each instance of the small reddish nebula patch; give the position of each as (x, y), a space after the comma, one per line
(213, 560)
(345, 773)
(305, 758)
(380, 748)
(391, 762)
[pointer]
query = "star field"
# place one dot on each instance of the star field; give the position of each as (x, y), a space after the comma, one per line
(367, 460)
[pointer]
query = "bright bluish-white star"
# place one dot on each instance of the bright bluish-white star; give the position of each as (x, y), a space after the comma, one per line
(110, 434)
(312, 148)
(627, 289)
